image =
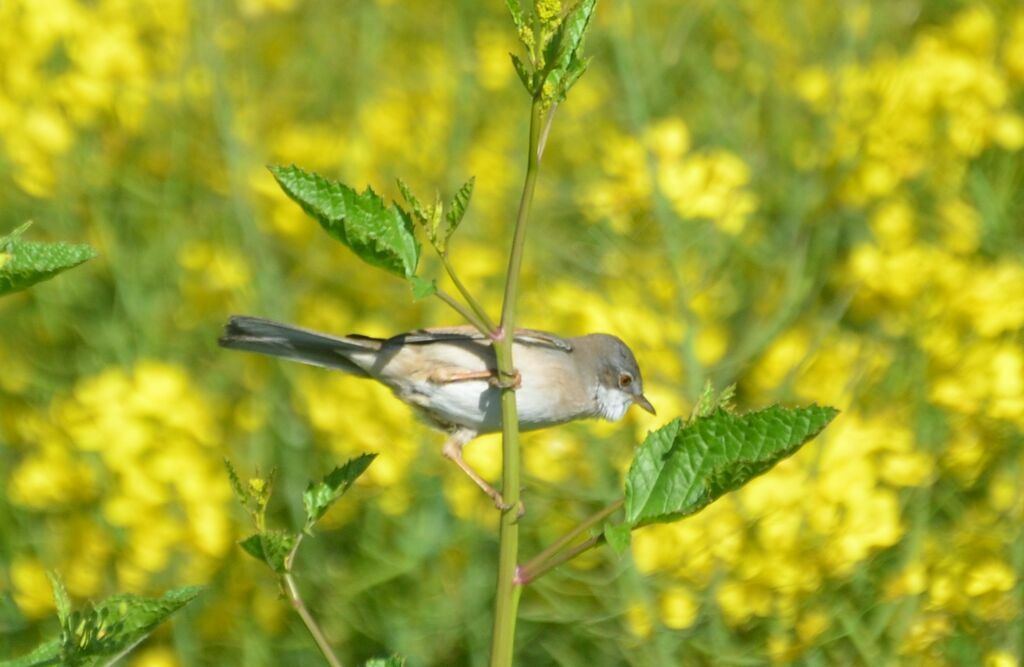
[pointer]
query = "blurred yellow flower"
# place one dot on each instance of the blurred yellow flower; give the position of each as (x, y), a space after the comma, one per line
(30, 587)
(678, 608)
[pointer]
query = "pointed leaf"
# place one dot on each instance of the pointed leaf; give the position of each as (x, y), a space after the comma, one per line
(525, 75)
(618, 536)
(517, 14)
(60, 596)
(681, 468)
(413, 202)
(458, 208)
(272, 547)
(422, 288)
(563, 65)
(236, 484)
(380, 235)
(320, 496)
(25, 263)
(107, 631)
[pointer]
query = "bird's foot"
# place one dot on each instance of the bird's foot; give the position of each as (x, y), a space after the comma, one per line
(500, 503)
(513, 380)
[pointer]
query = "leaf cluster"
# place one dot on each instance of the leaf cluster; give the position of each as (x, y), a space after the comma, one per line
(553, 40)
(25, 263)
(275, 547)
(382, 236)
(106, 630)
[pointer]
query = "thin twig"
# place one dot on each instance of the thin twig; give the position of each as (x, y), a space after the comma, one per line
(478, 309)
(469, 315)
(562, 542)
(525, 575)
(303, 612)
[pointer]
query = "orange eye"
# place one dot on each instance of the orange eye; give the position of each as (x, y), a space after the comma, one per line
(625, 379)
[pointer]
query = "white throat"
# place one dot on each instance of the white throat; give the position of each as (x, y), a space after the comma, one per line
(612, 403)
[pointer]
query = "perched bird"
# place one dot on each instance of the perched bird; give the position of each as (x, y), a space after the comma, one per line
(449, 375)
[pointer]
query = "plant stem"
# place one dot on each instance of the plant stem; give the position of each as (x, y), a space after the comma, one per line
(303, 611)
(528, 575)
(473, 303)
(560, 544)
(466, 313)
(506, 602)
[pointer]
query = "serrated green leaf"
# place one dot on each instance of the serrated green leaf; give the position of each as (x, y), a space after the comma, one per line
(422, 288)
(236, 483)
(379, 235)
(618, 536)
(60, 597)
(516, 11)
(25, 263)
(563, 65)
(525, 75)
(458, 207)
(413, 202)
(392, 661)
(436, 214)
(680, 468)
(108, 630)
(46, 654)
(320, 496)
(272, 547)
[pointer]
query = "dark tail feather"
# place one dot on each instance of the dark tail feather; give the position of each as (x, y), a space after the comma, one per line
(255, 334)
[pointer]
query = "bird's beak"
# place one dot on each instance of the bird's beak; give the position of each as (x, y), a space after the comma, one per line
(642, 401)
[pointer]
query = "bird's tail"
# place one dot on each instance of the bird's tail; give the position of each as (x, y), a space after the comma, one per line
(255, 334)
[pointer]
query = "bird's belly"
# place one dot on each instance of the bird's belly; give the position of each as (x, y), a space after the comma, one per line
(476, 404)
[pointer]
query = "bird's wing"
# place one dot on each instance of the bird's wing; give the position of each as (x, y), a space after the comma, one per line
(523, 337)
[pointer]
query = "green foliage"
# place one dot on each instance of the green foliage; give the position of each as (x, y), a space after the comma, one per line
(392, 661)
(106, 631)
(380, 235)
(553, 44)
(254, 496)
(430, 217)
(319, 497)
(270, 546)
(457, 209)
(422, 288)
(564, 66)
(683, 466)
(25, 263)
(617, 535)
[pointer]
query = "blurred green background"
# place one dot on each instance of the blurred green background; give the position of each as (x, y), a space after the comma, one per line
(818, 201)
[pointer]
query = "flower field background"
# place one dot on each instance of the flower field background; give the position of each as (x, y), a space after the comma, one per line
(816, 201)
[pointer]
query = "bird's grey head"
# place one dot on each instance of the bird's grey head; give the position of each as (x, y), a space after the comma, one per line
(619, 383)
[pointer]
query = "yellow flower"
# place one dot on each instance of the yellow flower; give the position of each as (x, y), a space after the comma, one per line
(1001, 659)
(989, 576)
(30, 587)
(678, 608)
(638, 620)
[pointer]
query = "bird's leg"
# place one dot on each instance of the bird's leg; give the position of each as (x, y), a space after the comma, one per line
(444, 376)
(453, 450)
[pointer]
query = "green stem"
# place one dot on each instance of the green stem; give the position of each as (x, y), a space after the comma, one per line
(478, 309)
(527, 575)
(469, 315)
(564, 541)
(300, 608)
(506, 602)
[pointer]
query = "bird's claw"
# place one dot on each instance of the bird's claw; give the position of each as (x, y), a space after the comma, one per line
(513, 380)
(502, 506)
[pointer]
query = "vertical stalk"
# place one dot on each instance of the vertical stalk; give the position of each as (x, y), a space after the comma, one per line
(506, 602)
(300, 608)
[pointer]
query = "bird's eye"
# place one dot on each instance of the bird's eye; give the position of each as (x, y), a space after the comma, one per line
(625, 379)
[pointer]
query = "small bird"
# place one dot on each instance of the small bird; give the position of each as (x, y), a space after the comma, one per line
(449, 375)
